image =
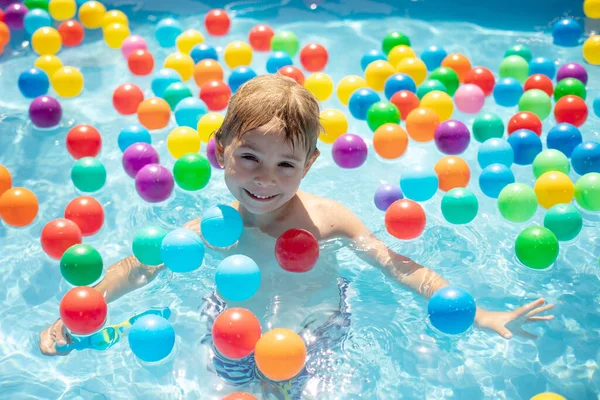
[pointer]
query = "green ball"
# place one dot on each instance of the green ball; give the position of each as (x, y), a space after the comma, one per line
(382, 112)
(570, 86)
(564, 221)
(536, 247)
(448, 77)
(519, 50)
(536, 101)
(514, 67)
(517, 202)
(31, 4)
(88, 174)
(551, 160)
(459, 206)
(191, 171)
(587, 191)
(429, 85)
(176, 92)
(285, 41)
(487, 126)
(394, 39)
(147, 243)
(81, 265)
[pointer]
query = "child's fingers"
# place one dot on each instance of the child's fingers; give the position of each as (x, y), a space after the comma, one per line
(528, 307)
(539, 310)
(540, 318)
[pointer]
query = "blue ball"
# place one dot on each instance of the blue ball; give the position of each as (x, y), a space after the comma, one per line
(36, 19)
(495, 151)
(370, 56)
(189, 111)
(237, 278)
(151, 338)
(451, 310)
(597, 106)
(360, 101)
(182, 250)
(564, 137)
(163, 79)
(419, 183)
(433, 57)
(385, 195)
(508, 92)
(586, 158)
(277, 60)
(203, 51)
(167, 31)
(542, 65)
(221, 226)
(398, 82)
(566, 32)
(526, 146)
(131, 134)
(239, 76)
(494, 178)
(33, 83)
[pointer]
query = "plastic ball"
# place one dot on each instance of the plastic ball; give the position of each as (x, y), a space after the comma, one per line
(154, 183)
(5, 179)
(147, 243)
(451, 310)
(481, 77)
(182, 63)
(536, 247)
(570, 86)
(243, 396)
(458, 63)
(292, 72)
(320, 85)
(211, 154)
(61, 10)
(237, 278)
(58, 235)
(413, 67)
(525, 120)
(167, 31)
(45, 112)
(241, 75)
(33, 83)
(46, 40)
(280, 354)
(285, 41)
(277, 60)
(452, 172)
(387, 194)
(360, 102)
(209, 124)
(571, 109)
(313, 57)
(429, 85)
(418, 182)
(390, 141)
(83, 141)
(260, 37)
(566, 32)
(459, 206)
(519, 50)
(154, 113)
(83, 310)
(550, 160)
(542, 65)
(334, 125)
(377, 73)
(191, 172)
(514, 67)
(88, 174)
(71, 33)
(586, 158)
(495, 151)
(151, 338)
(452, 137)
(564, 221)
(591, 8)
(396, 83)
(187, 40)
(189, 111)
(564, 138)
(48, 63)
(405, 101)
(487, 126)
(81, 265)
(115, 34)
(217, 22)
(507, 92)
(237, 53)
(176, 92)
(137, 156)
(182, 250)
(448, 77)
(370, 56)
(526, 145)
(115, 17)
(91, 14)
(215, 94)
(587, 192)
(348, 84)
(494, 178)
(87, 213)
(36, 19)
(433, 57)
(133, 134)
(235, 333)
(183, 140)
(297, 250)
(221, 226)
(517, 202)
(127, 98)
(536, 101)
(596, 106)
(140, 62)
(394, 39)
(554, 187)
(591, 50)
(400, 53)
(349, 151)
(18, 207)
(67, 82)
(469, 98)
(439, 102)
(421, 124)
(14, 16)
(207, 70)
(548, 395)
(572, 70)
(539, 82)
(382, 112)
(204, 51)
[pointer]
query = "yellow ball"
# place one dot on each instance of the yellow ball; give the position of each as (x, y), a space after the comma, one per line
(320, 85)
(554, 187)
(182, 63)
(413, 67)
(48, 63)
(183, 140)
(591, 50)
(115, 17)
(62, 10)
(237, 53)
(67, 82)
(547, 396)
(188, 39)
(399, 53)
(46, 40)
(115, 34)
(591, 8)
(334, 125)
(377, 73)
(208, 125)
(347, 86)
(91, 14)
(440, 102)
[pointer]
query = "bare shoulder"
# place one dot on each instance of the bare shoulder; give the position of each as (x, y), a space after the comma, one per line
(332, 218)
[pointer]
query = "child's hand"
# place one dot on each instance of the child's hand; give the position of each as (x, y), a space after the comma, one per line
(500, 321)
(55, 334)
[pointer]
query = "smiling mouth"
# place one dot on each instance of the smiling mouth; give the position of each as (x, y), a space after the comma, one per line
(258, 197)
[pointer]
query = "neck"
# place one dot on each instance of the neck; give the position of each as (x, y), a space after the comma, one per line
(264, 221)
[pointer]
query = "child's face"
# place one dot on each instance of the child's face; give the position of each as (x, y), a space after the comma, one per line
(262, 169)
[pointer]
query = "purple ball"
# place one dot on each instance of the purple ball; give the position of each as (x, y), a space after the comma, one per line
(14, 16)
(386, 194)
(572, 70)
(154, 183)
(45, 112)
(452, 137)
(349, 151)
(210, 153)
(137, 156)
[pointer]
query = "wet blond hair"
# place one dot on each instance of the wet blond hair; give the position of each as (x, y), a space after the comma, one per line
(278, 101)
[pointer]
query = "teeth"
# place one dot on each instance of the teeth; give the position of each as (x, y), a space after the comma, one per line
(260, 197)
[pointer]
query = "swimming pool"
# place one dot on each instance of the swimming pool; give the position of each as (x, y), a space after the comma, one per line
(390, 351)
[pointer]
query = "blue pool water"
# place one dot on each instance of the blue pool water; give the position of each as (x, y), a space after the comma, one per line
(389, 351)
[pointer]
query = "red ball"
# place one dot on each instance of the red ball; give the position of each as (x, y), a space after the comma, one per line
(83, 310)
(83, 141)
(58, 235)
(481, 77)
(87, 213)
(235, 332)
(525, 120)
(571, 109)
(260, 37)
(1, 15)
(239, 396)
(405, 219)
(313, 57)
(126, 98)
(140, 62)
(215, 95)
(406, 101)
(541, 82)
(71, 33)
(297, 250)
(292, 72)
(217, 22)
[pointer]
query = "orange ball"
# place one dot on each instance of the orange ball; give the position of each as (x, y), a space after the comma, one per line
(235, 332)
(280, 354)
(126, 98)
(154, 113)
(239, 396)
(215, 94)
(71, 33)
(4, 34)
(452, 172)
(390, 141)
(18, 207)
(421, 124)
(5, 179)
(140, 62)
(405, 219)
(459, 63)
(207, 70)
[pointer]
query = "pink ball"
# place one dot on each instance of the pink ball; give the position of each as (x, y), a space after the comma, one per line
(133, 43)
(469, 98)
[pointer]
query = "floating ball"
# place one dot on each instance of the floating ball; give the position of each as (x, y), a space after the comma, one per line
(385, 195)
(176, 92)
(237, 278)
(140, 62)
(5, 179)
(182, 250)
(429, 85)
(526, 146)
(71, 33)
(131, 44)
(81, 265)
(459, 206)
(151, 338)
(597, 106)
(525, 120)
(390, 141)
(591, 50)
(147, 243)
(83, 310)
(570, 86)
(495, 151)
(487, 126)
(183, 140)
(539, 82)
(91, 14)
(382, 112)
(398, 82)
(45, 41)
(433, 57)
(33, 83)
(347, 85)
(278, 60)
(507, 92)
(542, 65)
(553, 187)
(439, 102)
(334, 125)
(481, 77)
(349, 151)
(189, 111)
(36, 19)
(154, 183)
(87, 213)
(548, 395)
(313, 57)
(280, 354)
(167, 31)
(564, 221)
(451, 310)
(394, 39)
(360, 102)
(235, 333)
(536, 101)
(211, 155)
(58, 235)
(243, 396)
(458, 63)
(469, 98)
(292, 72)
(297, 250)
(154, 113)
(564, 138)
(115, 17)
(83, 141)
(133, 134)
(285, 41)
(207, 70)
(49, 64)
(566, 32)
(18, 207)
(418, 182)
(127, 98)
(586, 158)
(421, 124)
(413, 67)
(209, 124)
(204, 51)
(514, 67)
(215, 94)
(452, 137)
(61, 10)
(320, 85)
(400, 53)
(550, 160)
(572, 70)
(14, 16)
(452, 172)
(571, 109)
(182, 63)
(187, 40)
(536, 247)
(67, 82)
(221, 226)
(137, 156)
(191, 172)
(237, 53)
(241, 75)
(115, 34)
(448, 77)
(88, 174)
(4, 34)
(405, 101)
(260, 37)
(591, 8)
(517, 202)
(45, 112)
(494, 178)
(587, 192)
(217, 22)
(519, 50)
(377, 73)
(370, 56)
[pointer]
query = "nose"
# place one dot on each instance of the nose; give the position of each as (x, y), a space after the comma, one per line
(264, 178)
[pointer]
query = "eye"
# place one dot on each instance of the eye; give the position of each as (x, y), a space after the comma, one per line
(286, 165)
(249, 157)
